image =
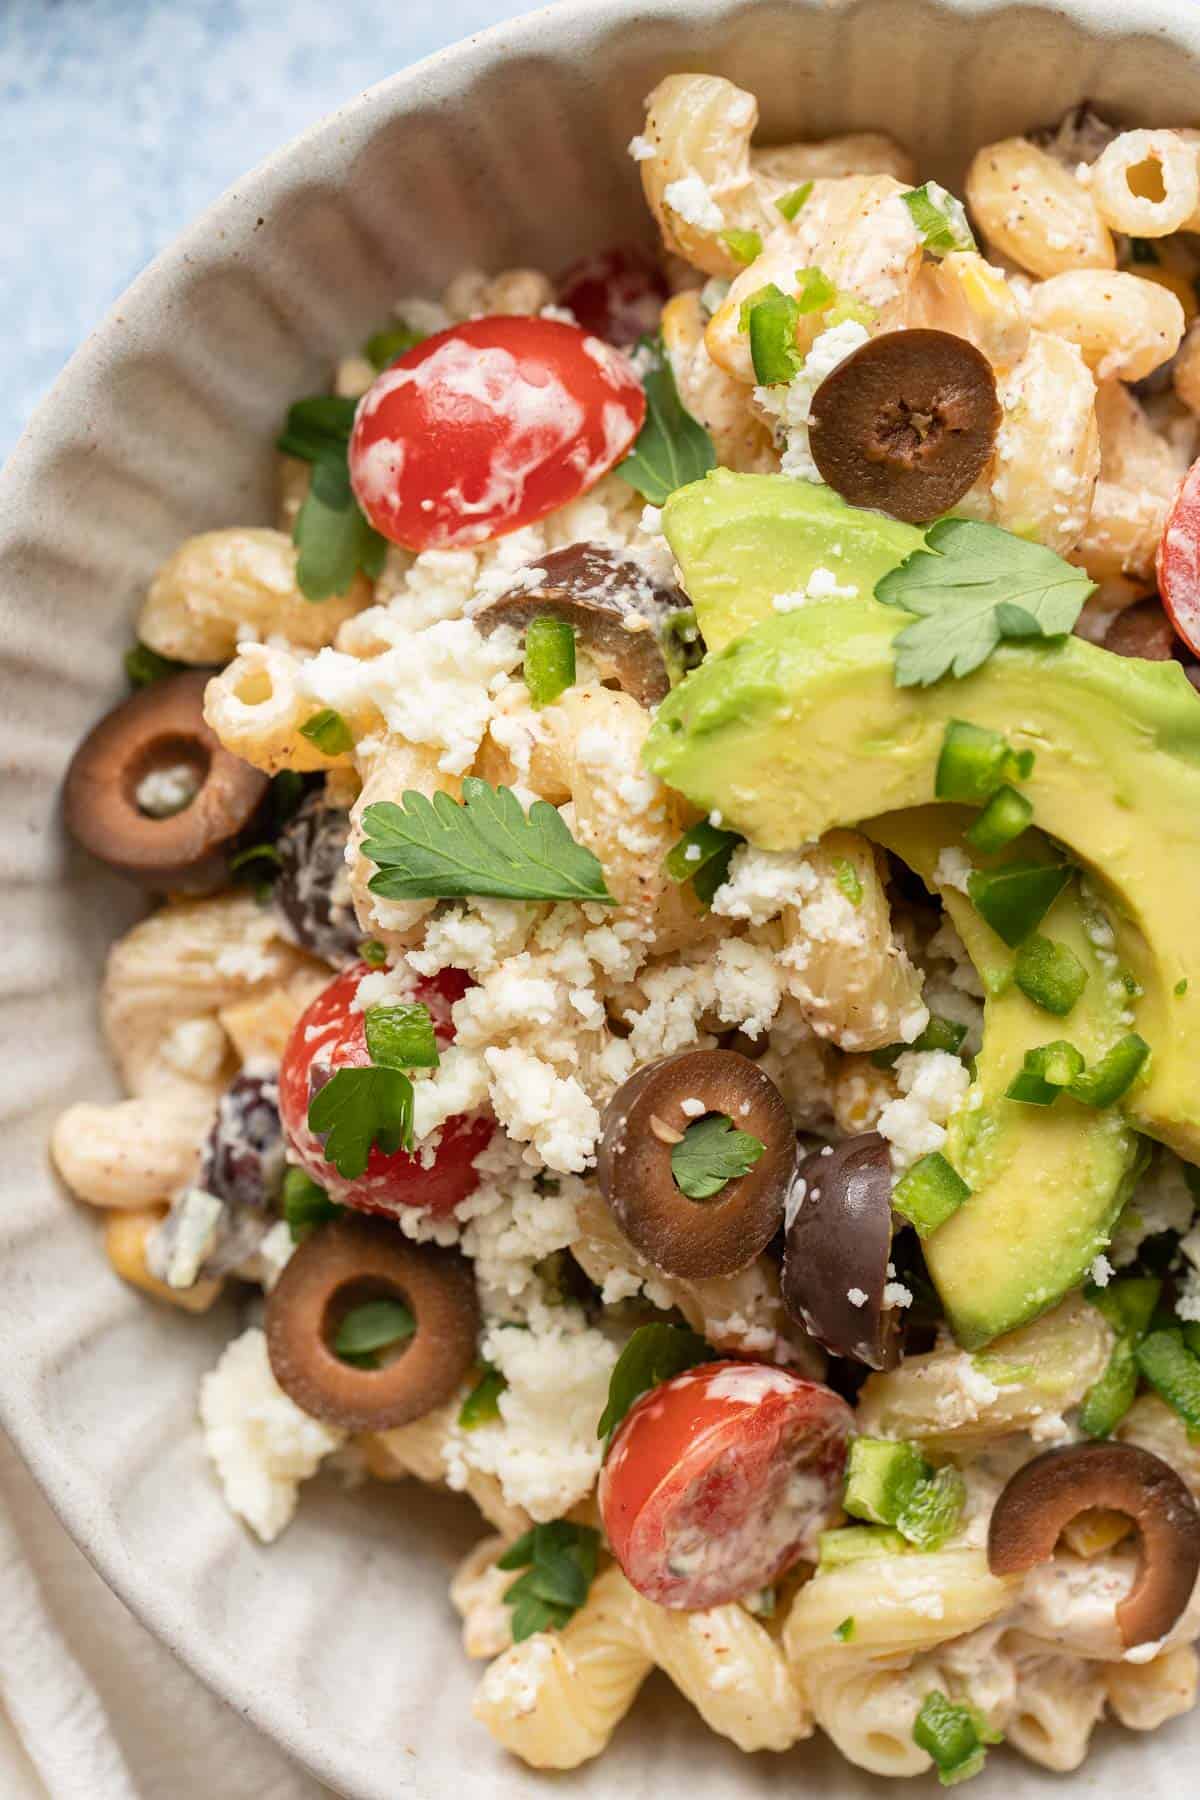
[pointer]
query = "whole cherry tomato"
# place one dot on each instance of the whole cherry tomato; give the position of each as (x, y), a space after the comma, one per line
(330, 1036)
(718, 1480)
(490, 426)
(1179, 561)
(618, 294)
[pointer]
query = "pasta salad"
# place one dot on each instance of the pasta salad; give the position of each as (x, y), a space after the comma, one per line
(670, 1010)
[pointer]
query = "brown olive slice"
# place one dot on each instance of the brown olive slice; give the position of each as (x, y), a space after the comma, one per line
(1143, 630)
(160, 735)
(906, 423)
(838, 1245)
(342, 1266)
(1057, 1486)
(648, 1115)
(617, 609)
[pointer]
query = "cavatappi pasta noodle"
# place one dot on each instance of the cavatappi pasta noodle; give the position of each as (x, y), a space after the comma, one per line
(581, 1144)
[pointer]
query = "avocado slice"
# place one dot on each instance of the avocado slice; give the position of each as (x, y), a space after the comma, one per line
(1047, 1182)
(743, 539)
(798, 727)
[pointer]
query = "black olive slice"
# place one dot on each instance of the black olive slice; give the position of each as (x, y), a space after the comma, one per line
(906, 424)
(837, 1250)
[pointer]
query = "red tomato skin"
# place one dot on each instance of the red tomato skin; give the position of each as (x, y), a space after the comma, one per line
(718, 1446)
(332, 1036)
(1179, 561)
(489, 426)
(616, 294)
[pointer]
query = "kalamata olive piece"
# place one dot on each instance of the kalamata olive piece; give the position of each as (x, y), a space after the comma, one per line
(906, 423)
(651, 1113)
(242, 1165)
(617, 609)
(1078, 137)
(839, 1244)
(312, 892)
(1057, 1486)
(616, 294)
(344, 1265)
(151, 791)
(1143, 630)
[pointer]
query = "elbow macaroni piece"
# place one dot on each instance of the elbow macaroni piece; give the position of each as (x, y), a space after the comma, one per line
(703, 177)
(125, 1239)
(388, 772)
(869, 1713)
(1034, 211)
(1156, 1427)
(722, 404)
(257, 705)
(1058, 1704)
(135, 1153)
(555, 1699)
(477, 1595)
(1147, 183)
(1139, 476)
(1145, 1695)
(419, 1450)
(962, 293)
(899, 1604)
(240, 581)
(947, 1398)
(1123, 327)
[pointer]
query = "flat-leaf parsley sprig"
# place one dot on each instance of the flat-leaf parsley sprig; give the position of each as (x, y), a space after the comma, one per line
(970, 587)
(482, 847)
(371, 1106)
(332, 536)
(672, 448)
(559, 1560)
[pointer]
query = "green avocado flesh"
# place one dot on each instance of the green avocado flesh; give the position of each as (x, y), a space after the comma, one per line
(743, 539)
(796, 727)
(1047, 1182)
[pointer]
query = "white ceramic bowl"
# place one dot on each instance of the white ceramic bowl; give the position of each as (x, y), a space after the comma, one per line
(339, 1641)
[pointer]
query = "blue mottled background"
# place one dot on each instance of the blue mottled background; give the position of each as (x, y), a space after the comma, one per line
(121, 119)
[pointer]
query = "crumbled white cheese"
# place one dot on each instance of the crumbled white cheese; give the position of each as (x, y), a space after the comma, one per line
(196, 1048)
(690, 198)
(164, 792)
(932, 1084)
(748, 985)
(895, 1294)
(822, 584)
(856, 1296)
(760, 883)
(953, 869)
(261, 1443)
(195, 1222)
(1162, 1201)
(641, 149)
(790, 404)
(551, 1112)
(1101, 1271)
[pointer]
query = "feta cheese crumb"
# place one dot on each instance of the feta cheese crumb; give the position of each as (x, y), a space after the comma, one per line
(953, 869)
(690, 198)
(896, 1294)
(1101, 1271)
(261, 1443)
(641, 149)
(932, 1085)
(856, 1296)
(695, 1109)
(791, 403)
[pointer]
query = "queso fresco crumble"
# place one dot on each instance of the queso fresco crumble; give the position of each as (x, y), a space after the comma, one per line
(666, 1013)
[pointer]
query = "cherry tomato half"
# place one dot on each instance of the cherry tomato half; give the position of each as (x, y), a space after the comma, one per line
(720, 1479)
(489, 426)
(617, 294)
(329, 1036)
(1179, 561)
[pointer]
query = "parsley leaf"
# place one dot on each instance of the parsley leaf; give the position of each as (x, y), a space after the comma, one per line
(305, 1204)
(971, 586)
(371, 1327)
(710, 1155)
(560, 1563)
(385, 346)
(702, 856)
(653, 1354)
(330, 533)
(482, 1404)
(443, 849)
(357, 1108)
(672, 448)
(144, 666)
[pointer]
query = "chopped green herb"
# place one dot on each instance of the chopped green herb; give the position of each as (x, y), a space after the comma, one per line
(846, 876)
(672, 448)
(385, 346)
(482, 1404)
(815, 290)
(971, 587)
(143, 666)
(1181, 987)
(318, 425)
(974, 763)
(653, 1355)
(940, 219)
(333, 538)
(1016, 898)
(1107, 1081)
(929, 1517)
(358, 1108)
(956, 1737)
(1050, 974)
(1172, 1369)
(929, 1193)
(329, 732)
(1046, 1071)
(481, 846)
(770, 317)
(702, 856)
(939, 1034)
(844, 1632)
(1006, 815)
(305, 1204)
(375, 1325)
(549, 658)
(1132, 985)
(790, 204)
(711, 1154)
(257, 853)
(373, 952)
(745, 245)
(560, 1563)
(400, 1035)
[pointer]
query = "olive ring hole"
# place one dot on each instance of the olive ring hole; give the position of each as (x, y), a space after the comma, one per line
(164, 777)
(661, 1130)
(358, 1291)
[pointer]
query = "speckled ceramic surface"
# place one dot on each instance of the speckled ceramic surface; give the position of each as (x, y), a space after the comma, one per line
(339, 1641)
